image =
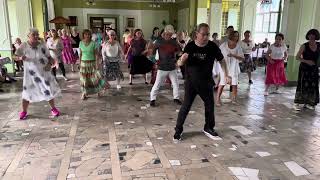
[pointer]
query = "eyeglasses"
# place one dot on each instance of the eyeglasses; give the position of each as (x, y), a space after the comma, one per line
(205, 34)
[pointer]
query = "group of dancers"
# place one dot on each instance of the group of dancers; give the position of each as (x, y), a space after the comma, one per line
(204, 64)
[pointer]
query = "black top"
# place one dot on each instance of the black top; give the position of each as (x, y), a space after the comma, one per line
(309, 54)
(167, 50)
(77, 40)
(200, 62)
(138, 46)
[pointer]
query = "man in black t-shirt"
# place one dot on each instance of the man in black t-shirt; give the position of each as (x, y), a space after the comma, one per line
(199, 56)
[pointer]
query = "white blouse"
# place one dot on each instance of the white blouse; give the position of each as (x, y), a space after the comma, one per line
(247, 47)
(231, 62)
(277, 52)
(112, 50)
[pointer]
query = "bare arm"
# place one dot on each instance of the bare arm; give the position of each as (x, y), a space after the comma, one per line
(224, 67)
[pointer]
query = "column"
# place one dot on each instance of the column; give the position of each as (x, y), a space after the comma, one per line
(301, 18)
(5, 35)
(51, 13)
(248, 9)
(24, 19)
(215, 16)
(202, 11)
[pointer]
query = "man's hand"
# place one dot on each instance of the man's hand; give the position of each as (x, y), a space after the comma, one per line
(182, 60)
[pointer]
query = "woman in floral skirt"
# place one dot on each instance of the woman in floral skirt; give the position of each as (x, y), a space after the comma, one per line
(90, 79)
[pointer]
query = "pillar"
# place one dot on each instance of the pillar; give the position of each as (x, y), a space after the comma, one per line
(248, 10)
(301, 18)
(215, 16)
(24, 19)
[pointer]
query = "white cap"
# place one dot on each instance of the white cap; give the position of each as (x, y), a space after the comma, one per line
(169, 28)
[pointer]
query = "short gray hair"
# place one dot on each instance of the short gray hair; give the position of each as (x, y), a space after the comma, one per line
(33, 31)
(110, 32)
(169, 29)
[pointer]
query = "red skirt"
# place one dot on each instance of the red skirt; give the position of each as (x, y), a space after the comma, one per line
(275, 73)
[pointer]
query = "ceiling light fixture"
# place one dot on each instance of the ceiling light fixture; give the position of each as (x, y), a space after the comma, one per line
(91, 3)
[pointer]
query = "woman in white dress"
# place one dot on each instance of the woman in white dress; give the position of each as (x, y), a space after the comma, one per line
(233, 54)
(55, 47)
(38, 82)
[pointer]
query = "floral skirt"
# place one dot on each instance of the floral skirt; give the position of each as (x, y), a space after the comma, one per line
(248, 64)
(275, 73)
(111, 71)
(308, 85)
(91, 81)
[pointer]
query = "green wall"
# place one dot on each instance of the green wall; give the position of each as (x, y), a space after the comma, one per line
(171, 7)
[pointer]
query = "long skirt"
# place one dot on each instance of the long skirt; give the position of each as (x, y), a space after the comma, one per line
(307, 91)
(111, 71)
(275, 73)
(140, 65)
(247, 65)
(91, 81)
(68, 56)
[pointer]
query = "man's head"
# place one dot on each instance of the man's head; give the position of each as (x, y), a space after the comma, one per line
(229, 30)
(202, 33)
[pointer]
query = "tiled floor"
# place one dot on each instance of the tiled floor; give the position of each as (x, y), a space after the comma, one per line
(120, 137)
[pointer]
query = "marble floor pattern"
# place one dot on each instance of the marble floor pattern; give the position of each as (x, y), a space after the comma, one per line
(119, 136)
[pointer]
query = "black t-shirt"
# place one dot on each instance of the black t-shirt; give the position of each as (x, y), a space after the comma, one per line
(200, 62)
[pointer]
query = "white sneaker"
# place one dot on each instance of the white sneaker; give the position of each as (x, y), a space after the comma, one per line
(66, 79)
(118, 87)
(296, 107)
(309, 107)
(266, 93)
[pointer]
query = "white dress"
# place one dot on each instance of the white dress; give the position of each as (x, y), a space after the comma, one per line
(231, 62)
(38, 84)
(55, 45)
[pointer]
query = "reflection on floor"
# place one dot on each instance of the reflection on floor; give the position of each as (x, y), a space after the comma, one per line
(119, 136)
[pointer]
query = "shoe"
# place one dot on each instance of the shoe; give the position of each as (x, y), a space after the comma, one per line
(177, 137)
(296, 107)
(177, 101)
(118, 87)
(210, 133)
(23, 115)
(266, 93)
(277, 91)
(153, 103)
(130, 83)
(55, 112)
(66, 79)
(250, 81)
(309, 107)
(146, 82)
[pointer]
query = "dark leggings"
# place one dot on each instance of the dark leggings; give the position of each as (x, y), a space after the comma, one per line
(205, 91)
(61, 66)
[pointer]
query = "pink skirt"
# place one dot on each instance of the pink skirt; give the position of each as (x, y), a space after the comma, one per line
(68, 56)
(275, 73)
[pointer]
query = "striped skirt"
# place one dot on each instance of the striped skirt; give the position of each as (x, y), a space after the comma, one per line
(91, 81)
